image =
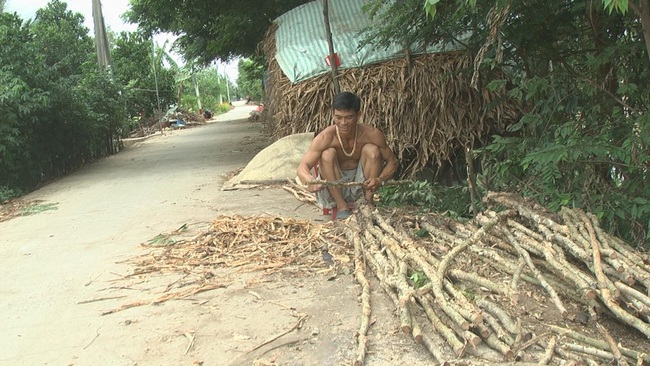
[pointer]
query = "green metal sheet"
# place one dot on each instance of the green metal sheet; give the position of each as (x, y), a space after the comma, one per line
(301, 40)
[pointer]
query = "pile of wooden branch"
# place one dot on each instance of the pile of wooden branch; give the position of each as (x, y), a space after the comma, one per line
(516, 284)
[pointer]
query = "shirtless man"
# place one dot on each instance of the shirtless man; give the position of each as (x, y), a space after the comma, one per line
(347, 151)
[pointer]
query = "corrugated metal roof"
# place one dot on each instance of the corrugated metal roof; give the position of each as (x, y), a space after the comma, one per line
(301, 41)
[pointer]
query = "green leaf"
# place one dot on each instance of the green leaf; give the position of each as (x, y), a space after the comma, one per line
(496, 85)
(627, 88)
(430, 8)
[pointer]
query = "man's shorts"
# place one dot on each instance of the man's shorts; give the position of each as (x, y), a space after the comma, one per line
(351, 194)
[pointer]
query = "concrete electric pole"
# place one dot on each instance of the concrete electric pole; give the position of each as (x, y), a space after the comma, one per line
(101, 40)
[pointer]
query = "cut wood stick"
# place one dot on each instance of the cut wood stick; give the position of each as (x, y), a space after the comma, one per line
(446, 260)
(190, 337)
(295, 326)
(362, 337)
(548, 352)
(101, 299)
(355, 184)
(471, 338)
(515, 276)
(606, 295)
(533, 341)
(410, 252)
(374, 260)
(499, 330)
(466, 309)
(631, 293)
(497, 344)
(301, 196)
(503, 317)
(417, 330)
(595, 352)
(266, 182)
(551, 291)
(597, 343)
(449, 336)
(434, 350)
(564, 269)
(481, 330)
(618, 356)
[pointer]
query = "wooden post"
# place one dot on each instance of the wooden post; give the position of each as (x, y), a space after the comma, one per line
(330, 44)
(471, 178)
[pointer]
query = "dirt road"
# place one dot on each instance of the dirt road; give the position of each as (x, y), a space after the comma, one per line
(55, 263)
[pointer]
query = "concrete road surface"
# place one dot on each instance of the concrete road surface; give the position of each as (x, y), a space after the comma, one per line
(56, 266)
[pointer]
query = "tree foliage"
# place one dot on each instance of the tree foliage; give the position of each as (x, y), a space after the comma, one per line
(60, 111)
(251, 74)
(581, 73)
(133, 61)
(213, 91)
(211, 30)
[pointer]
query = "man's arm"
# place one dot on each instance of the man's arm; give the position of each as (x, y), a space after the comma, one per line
(309, 160)
(390, 161)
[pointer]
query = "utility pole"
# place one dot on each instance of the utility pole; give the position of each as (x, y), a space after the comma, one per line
(198, 94)
(227, 84)
(101, 40)
(155, 78)
(103, 60)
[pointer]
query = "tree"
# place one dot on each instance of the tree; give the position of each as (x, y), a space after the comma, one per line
(62, 38)
(59, 110)
(211, 30)
(210, 84)
(641, 9)
(20, 99)
(132, 65)
(580, 72)
(251, 74)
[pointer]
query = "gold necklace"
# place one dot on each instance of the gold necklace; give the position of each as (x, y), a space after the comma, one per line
(354, 147)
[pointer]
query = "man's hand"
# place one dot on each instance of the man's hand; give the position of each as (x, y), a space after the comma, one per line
(373, 184)
(313, 188)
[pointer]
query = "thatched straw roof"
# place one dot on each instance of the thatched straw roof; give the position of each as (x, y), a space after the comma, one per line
(424, 104)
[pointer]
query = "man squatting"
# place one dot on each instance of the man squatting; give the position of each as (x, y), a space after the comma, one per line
(344, 152)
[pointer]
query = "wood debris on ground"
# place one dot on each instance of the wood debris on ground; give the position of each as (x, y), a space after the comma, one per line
(245, 243)
(517, 284)
(249, 243)
(21, 207)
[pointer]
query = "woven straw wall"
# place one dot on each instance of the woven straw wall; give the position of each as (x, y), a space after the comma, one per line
(424, 105)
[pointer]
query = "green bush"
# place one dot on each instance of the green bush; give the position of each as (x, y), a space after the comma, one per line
(454, 201)
(7, 193)
(222, 108)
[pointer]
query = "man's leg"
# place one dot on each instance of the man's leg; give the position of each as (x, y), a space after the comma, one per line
(330, 170)
(372, 165)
